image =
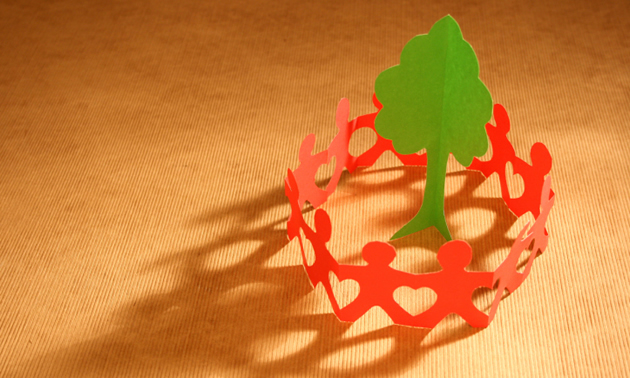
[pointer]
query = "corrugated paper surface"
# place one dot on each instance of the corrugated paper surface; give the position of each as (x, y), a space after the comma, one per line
(143, 147)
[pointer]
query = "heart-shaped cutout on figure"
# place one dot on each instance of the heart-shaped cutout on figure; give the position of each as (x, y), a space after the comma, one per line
(344, 291)
(325, 173)
(515, 183)
(415, 301)
(361, 141)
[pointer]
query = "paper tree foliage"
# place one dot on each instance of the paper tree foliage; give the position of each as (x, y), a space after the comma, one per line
(434, 100)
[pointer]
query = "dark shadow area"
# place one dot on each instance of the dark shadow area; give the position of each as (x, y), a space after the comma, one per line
(494, 239)
(216, 320)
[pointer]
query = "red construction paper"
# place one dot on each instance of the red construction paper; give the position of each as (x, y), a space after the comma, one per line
(324, 262)
(338, 148)
(453, 285)
(502, 153)
(506, 275)
(305, 173)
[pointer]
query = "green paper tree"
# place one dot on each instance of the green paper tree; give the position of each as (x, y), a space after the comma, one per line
(434, 100)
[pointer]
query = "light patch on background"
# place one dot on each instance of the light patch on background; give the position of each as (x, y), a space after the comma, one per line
(315, 302)
(521, 222)
(381, 176)
(454, 183)
(415, 301)
(472, 223)
(375, 318)
(489, 188)
(242, 293)
(282, 345)
(361, 141)
(289, 255)
(231, 255)
(369, 208)
(415, 258)
(324, 173)
(357, 355)
(419, 185)
(345, 291)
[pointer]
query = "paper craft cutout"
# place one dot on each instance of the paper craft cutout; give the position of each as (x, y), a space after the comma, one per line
(379, 292)
(453, 285)
(338, 148)
(308, 169)
(434, 100)
(507, 275)
(533, 175)
(369, 157)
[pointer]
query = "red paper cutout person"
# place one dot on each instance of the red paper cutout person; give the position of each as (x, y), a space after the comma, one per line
(341, 142)
(534, 178)
(502, 153)
(454, 286)
(547, 199)
(306, 171)
(378, 281)
(502, 150)
(324, 261)
(507, 274)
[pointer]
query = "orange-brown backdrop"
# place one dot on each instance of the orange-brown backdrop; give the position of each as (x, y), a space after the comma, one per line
(143, 146)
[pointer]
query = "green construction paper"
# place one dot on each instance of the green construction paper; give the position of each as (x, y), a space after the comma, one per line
(434, 99)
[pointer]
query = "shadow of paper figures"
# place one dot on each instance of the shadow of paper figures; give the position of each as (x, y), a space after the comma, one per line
(229, 320)
(240, 318)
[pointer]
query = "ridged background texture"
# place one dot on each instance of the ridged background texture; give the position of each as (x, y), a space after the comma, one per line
(143, 147)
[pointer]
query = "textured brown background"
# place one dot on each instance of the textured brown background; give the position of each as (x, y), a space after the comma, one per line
(143, 146)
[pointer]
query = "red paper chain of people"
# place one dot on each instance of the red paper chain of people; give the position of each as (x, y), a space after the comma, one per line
(454, 285)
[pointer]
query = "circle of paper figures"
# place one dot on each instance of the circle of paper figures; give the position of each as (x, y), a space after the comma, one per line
(454, 285)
